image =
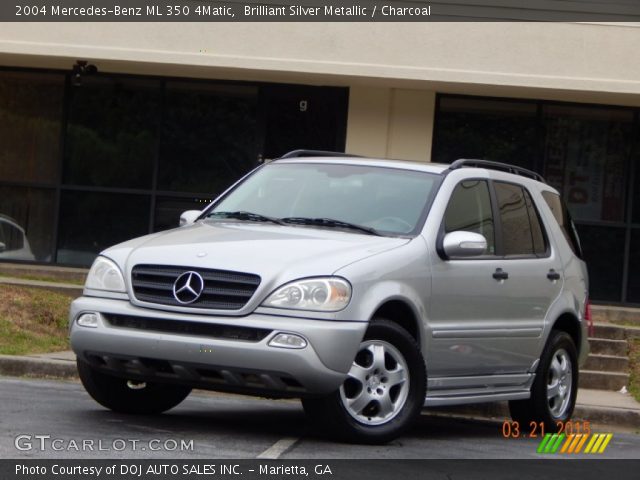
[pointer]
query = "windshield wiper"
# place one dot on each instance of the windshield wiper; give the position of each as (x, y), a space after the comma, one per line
(331, 223)
(320, 222)
(248, 216)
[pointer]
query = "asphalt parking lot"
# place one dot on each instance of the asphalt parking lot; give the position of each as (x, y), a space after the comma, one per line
(57, 419)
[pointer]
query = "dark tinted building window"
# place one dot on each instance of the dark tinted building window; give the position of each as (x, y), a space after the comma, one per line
(298, 117)
(516, 229)
(636, 188)
(30, 124)
(586, 151)
(208, 136)
(636, 199)
(118, 156)
(93, 221)
(112, 133)
(503, 131)
(633, 286)
(603, 249)
(469, 209)
(169, 209)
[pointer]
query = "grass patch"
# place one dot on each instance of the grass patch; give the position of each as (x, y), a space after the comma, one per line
(42, 278)
(32, 321)
(634, 367)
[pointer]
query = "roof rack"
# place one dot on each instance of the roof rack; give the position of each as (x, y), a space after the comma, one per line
(504, 167)
(315, 153)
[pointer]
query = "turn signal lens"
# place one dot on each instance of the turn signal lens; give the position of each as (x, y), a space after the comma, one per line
(89, 320)
(288, 340)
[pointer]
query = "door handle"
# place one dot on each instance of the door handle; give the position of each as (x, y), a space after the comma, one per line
(553, 275)
(500, 274)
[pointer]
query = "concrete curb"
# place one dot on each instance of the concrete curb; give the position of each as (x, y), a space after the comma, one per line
(19, 366)
(69, 289)
(608, 416)
(55, 273)
(614, 416)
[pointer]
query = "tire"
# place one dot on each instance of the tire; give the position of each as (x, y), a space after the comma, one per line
(114, 393)
(386, 389)
(558, 368)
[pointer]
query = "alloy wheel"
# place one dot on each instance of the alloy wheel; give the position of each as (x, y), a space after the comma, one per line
(377, 386)
(559, 383)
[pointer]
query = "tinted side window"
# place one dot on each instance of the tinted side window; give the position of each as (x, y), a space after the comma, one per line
(563, 218)
(514, 216)
(537, 230)
(469, 209)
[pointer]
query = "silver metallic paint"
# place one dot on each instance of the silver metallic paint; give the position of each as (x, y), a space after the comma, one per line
(481, 339)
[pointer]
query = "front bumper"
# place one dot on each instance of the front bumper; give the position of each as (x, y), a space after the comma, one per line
(133, 350)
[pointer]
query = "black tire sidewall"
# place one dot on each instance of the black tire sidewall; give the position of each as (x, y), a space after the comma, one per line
(558, 340)
(346, 426)
(113, 393)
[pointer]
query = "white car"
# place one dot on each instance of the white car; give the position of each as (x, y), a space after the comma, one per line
(14, 244)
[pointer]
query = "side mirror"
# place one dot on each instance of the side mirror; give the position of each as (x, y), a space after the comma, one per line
(188, 217)
(3, 247)
(464, 244)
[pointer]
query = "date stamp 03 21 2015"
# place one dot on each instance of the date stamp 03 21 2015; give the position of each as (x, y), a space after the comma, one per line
(570, 437)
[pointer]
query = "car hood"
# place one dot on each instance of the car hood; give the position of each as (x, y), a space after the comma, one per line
(277, 253)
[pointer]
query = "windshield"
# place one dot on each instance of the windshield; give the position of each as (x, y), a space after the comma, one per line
(388, 200)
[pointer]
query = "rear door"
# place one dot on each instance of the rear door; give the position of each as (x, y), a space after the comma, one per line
(534, 267)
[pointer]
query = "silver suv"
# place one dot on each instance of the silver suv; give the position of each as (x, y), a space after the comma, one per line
(368, 288)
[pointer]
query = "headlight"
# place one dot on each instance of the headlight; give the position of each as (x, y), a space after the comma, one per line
(105, 275)
(320, 294)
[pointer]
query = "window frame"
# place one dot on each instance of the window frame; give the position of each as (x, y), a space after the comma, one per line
(497, 237)
(497, 225)
(545, 235)
(571, 236)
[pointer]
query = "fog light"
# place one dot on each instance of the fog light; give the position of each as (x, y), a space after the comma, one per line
(288, 340)
(88, 320)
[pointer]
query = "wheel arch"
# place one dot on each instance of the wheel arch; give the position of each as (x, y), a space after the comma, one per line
(569, 323)
(565, 315)
(401, 312)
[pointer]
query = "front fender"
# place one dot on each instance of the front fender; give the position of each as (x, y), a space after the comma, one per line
(406, 278)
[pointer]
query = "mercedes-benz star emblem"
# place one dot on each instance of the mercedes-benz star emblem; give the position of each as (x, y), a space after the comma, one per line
(188, 287)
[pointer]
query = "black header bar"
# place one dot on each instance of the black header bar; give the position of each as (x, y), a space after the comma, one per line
(319, 11)
(120, 469)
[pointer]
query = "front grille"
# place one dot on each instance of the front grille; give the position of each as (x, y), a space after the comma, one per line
(200, 329)
(223, 290)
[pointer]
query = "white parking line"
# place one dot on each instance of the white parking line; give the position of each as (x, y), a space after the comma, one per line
(278, 448)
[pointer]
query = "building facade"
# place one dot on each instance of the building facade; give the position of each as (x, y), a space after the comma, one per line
(176, 112)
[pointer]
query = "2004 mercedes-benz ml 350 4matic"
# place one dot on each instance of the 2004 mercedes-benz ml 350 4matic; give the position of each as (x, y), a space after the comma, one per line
(368, 288)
